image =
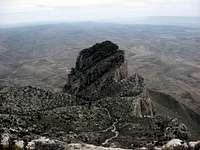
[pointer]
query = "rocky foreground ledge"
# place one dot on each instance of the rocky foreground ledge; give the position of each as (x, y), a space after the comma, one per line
(100, 105)
(46, 144)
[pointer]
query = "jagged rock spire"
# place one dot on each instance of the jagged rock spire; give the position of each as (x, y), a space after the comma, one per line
(101, 72)
(99, 63)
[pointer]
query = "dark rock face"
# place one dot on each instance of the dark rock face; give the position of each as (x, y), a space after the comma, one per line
(100, 63)
(101, 72)
(90, 56)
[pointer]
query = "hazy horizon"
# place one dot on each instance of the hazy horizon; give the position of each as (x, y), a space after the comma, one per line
(19, 12)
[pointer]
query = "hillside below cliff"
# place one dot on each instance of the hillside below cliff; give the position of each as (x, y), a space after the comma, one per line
(100, 105)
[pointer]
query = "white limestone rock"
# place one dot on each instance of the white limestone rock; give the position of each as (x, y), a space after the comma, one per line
(5, 138)
(44, 140)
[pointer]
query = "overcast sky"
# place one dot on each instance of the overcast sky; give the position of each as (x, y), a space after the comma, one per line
(27, 11)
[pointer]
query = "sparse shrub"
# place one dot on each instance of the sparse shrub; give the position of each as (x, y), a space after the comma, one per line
(197, 146)
(150, 147)
(14, 147)
(178, 147)
(165, 148)
(48, 146)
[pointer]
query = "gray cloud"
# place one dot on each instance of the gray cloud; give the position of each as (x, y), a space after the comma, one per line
(23, 11)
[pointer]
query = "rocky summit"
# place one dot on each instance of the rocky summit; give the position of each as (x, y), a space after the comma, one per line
(95, 68)
(100, 105)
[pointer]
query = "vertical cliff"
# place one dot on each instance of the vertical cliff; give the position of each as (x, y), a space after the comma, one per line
(95, 65)
(101, 72)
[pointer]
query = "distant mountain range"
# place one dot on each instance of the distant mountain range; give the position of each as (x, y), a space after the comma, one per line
(187, 21)
(178, 21)
(160, 20)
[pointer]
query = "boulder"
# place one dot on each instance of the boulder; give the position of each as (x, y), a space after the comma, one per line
(44, 143)
(78, 146)
(176, 144)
